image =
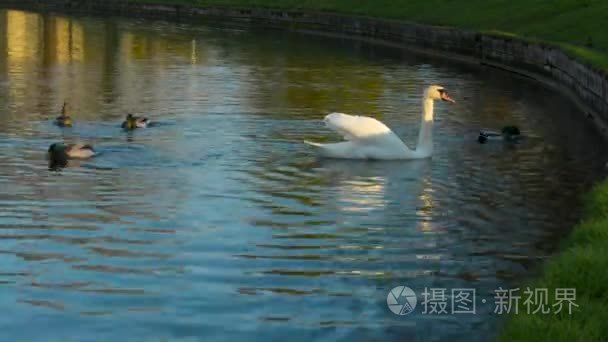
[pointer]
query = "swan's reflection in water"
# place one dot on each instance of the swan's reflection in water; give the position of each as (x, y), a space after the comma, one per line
(361, 195)
(360, 207)
(368, 185)
(376, 227)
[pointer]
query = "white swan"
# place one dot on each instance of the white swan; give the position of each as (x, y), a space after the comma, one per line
(368, 138)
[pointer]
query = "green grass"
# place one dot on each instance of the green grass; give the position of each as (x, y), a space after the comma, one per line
(583, 265)
(579, 28)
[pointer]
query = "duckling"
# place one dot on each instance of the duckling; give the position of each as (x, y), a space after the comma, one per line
(59, 153)
(508, 133)
(133, 122)
(64, 120)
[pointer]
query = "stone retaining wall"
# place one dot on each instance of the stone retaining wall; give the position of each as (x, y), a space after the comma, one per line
(585, 85)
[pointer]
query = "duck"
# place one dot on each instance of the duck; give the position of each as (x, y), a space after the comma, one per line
(368, 138)
(59, 153)
(507, 133)
(132, 122)
(64, 120)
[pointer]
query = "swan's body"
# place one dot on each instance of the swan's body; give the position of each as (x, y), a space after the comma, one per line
(368, 138)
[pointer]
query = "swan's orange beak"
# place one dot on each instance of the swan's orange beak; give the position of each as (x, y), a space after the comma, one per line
(445, 97)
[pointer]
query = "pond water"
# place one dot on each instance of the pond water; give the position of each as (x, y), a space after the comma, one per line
(217, 223)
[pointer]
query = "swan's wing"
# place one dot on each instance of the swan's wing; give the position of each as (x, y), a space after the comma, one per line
(356, 127)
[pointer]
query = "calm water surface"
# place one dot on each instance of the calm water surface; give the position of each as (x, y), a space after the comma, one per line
(219, 224)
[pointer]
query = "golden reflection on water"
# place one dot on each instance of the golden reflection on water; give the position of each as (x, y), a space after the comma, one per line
(31, 36)
(113, 55)
(56, 46)
(426, 207)
(69, 39)
(193, 54)
(19, 28)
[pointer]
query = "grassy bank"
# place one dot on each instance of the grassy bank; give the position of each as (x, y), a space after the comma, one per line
(578, 27)
(583, 265)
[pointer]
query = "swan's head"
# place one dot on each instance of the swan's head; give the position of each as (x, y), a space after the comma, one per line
(436, 93)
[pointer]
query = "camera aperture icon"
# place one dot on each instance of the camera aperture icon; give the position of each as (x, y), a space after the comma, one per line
(401, 300)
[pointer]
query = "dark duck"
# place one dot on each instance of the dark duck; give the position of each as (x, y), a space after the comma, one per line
(64, 120)
(132, 122)
(59, 153)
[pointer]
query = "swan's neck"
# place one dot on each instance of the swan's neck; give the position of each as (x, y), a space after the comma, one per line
(425, 137)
